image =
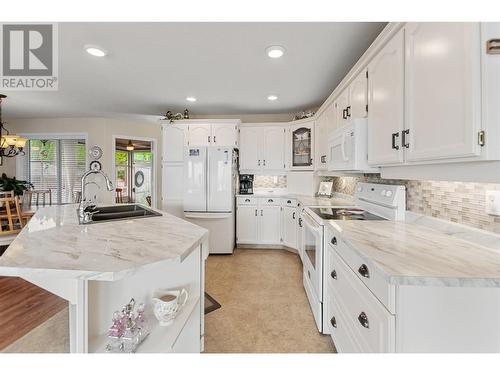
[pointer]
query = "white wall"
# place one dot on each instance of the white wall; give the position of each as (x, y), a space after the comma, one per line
(100, 132)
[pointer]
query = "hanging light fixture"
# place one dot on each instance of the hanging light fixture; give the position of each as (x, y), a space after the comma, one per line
(10, 144)
(130, 146)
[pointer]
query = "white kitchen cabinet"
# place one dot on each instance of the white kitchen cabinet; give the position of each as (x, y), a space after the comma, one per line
(386, 103)
(247, 224)
(270, 225)
(273, 152)
(224, 135)
(301, 141)
(358, 96)
(173, 143)
(262, 148)
(324, 125)
(341, 108)
(442, 95)
(199, 135)
(289, 227)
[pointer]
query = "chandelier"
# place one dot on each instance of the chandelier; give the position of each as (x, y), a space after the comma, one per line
(10, 144)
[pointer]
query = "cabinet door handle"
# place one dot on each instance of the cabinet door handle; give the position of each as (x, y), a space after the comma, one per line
(334, 274)
(264, 162)
(363, 320)
(208, 139)
(215, 140)
(261, 212)
(323, 159)
(333, 321)
(394, 145)
(293, 215)
(363, 271)
(300, 222)
(255, 212)
(334, 241)
(344, 114)
(247, 200)
(270, 200)
(258, 162)
(288, 201)
(348, 111)
(404, 133)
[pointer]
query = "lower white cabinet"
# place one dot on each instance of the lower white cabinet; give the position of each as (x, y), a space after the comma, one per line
(267, 221)
(247, 224)
(289, 225)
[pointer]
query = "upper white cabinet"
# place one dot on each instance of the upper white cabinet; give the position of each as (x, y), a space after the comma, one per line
(302, 145)
(325, 123)
(442, 95)
(212, 134)
(358, 96)
(386, 103)
(342, 108)
(262, 148)
(173, 143)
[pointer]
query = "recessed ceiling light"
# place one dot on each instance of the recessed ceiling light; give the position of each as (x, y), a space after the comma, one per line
(95, 51)
(275, 52)
(191, 99)
(272, 98)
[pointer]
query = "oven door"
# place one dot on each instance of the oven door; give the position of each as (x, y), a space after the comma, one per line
(312, 245)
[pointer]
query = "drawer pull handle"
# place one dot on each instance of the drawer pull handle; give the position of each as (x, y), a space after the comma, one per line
(363, 271)
(300, 222)
(334, 322)
(293, 215)
(247, 200)
(334, 241)
(334, 274)
(363, 320)
(309, 275)
(289, 201)
(270, 200)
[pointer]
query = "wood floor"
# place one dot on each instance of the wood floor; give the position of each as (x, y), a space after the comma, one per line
(24, 306)
(264, 305)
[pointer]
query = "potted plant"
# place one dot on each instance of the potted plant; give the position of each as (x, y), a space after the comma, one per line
(12, 184)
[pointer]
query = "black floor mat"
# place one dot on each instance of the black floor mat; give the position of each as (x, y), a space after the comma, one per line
(210, 304)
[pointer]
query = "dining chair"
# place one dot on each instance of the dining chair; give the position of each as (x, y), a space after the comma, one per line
(119, 195)
(10, 221)
(7, 194)
(25, 213)
(37, 194)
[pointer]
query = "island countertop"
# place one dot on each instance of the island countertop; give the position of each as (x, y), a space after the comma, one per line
(414, 254)
(54, 244)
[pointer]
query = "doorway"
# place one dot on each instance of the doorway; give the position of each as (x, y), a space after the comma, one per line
(134, 171)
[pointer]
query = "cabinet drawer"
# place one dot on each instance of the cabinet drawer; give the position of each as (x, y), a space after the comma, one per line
(289, 202)
(339, 328)
(247, 201)
(372, 325)
(270, 201)
(368, 274)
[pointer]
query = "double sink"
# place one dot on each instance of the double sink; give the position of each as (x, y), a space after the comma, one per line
(121, 212)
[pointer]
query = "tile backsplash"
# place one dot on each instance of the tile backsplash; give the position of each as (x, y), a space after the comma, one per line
(460, 202)
(269, 182)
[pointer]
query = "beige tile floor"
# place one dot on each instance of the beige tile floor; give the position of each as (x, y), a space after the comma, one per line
(264, 306)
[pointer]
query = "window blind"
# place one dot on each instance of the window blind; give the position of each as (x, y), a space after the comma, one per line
(56, 164)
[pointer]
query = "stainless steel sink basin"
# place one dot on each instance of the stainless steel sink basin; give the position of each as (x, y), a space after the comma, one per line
(122, 212)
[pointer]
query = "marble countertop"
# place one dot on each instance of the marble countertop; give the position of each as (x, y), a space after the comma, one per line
(305, 200)
(413, 254)
(54, 244)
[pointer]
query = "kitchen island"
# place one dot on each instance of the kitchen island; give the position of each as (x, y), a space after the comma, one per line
(99, 267)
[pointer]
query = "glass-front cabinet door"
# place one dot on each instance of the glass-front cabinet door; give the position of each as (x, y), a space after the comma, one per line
(302, 146)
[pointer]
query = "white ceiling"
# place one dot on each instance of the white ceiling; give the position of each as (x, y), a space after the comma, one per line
(153, 67)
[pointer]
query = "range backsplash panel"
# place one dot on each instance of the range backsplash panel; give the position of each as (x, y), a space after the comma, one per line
(459, 202)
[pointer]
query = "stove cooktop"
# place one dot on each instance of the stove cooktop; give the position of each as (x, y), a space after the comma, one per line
(328, 213)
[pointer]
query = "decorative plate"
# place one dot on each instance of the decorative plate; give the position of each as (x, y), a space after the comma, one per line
(95, 152)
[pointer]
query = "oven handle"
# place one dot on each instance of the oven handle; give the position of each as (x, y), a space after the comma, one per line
(310, 223)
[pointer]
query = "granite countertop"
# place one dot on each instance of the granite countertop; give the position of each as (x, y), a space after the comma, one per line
(54, 244)
(414, 254)
(305, 200)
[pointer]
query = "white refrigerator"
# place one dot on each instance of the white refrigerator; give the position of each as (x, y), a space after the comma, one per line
(209, 182)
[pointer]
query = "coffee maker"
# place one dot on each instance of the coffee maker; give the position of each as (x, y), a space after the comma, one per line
(246, 184)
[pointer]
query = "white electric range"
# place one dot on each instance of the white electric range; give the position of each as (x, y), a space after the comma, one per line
(372, 202)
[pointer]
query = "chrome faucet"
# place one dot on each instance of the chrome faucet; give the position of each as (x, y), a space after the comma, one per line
(84, 213)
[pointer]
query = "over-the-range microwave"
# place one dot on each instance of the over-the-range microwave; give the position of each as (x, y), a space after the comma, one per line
(348, 148)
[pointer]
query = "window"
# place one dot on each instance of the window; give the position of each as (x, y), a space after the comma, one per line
(56, 164)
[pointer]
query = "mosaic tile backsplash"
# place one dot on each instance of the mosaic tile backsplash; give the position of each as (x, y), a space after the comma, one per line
(269, 182)
(460, 202)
